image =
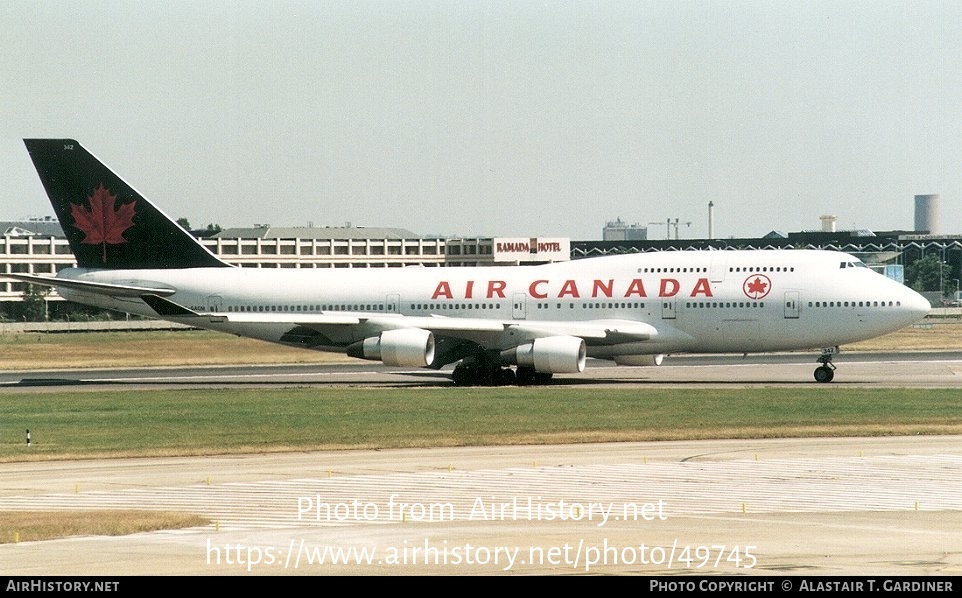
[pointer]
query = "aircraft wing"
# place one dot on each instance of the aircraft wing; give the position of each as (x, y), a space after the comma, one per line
(488, 332)
(479, 328)
(610, 331)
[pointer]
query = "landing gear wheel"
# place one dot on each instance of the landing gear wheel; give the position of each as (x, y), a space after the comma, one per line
(824, 374)
(480, 375)
(506, 377)
(543, 377)
(462, 376)
(525, 376)
(826, 371)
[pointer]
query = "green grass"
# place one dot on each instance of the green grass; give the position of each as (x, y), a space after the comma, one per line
(80, 424)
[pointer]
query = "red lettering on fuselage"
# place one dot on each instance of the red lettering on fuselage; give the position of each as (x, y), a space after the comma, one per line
(443, 290)
(669, 287)
(496, 287)
(601, 286)
(701, 288)
(636, 288)
(569, 289)
(536, 294)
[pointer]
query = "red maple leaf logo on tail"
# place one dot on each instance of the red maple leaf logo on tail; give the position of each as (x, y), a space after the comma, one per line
(101, 223)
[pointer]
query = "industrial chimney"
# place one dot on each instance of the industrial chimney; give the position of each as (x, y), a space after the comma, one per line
(927, 214)
(711, 220)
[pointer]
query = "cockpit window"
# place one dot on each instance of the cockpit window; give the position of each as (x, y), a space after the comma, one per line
(857, 264)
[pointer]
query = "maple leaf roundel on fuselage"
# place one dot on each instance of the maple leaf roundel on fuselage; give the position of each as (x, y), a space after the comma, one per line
(757, 286)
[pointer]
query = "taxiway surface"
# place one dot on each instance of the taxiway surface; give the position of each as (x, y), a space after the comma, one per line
(920, 369)
(833, 506)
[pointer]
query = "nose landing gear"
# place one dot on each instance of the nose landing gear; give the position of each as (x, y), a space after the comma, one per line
(826, 371)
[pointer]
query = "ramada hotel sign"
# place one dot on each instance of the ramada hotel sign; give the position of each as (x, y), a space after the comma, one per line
(533, 249)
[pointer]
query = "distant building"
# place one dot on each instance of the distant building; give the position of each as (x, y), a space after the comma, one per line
(505, 251)
(268, 246)
(616, 230)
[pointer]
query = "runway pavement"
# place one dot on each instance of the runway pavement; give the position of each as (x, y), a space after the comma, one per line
(786, 507)
(920, 369)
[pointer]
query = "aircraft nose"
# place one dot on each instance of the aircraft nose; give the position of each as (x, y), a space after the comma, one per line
(915, 305)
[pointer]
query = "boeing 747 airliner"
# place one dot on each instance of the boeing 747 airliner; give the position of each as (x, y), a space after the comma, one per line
(500, 325)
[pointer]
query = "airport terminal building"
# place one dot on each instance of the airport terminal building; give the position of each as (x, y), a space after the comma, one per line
(40, 247)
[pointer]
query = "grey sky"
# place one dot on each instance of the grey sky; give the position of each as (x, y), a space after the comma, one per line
(497, 118)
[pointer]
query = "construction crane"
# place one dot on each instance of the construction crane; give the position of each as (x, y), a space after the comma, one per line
(670, 223)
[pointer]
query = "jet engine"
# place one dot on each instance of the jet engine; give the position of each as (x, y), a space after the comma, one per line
(638, 360)
(408, 347)
(552, 354)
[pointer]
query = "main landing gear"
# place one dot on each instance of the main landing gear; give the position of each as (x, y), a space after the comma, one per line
(492, 375)
(826, 371)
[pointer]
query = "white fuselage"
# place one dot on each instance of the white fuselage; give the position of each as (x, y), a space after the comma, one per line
(697, 301)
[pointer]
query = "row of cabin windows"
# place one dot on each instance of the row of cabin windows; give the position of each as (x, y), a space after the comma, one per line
(724, 304)
(308, 308)
(855, 304)
(730, 269)
(452, 306)
(610, 305)
(670, 270)
(456, 306)
(761, 304)
(462, 306)
(485, 306)
(613, 305)
(763, 269)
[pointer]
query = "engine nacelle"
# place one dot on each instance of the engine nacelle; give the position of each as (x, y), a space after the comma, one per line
(553, 354)
(408, 347)
(638, 360)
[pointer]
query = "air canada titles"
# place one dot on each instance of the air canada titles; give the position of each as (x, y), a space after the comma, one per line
(571, 289)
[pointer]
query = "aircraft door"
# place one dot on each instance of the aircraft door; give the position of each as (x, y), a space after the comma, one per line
(519, 301)
(791, 305)
(719, 265)
(668, 309)
(392, 303)
(215, 304)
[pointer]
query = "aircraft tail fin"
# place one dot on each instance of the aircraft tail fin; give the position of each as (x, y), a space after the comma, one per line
(108, 223)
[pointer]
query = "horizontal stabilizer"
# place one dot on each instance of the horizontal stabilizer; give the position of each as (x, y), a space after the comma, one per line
(98, 288)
